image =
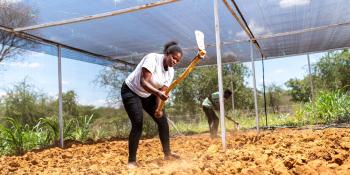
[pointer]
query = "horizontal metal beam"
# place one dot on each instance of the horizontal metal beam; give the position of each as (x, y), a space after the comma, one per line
(269, 36)
(97, 16)
(302, 31)
(304, 53)
(46, 41)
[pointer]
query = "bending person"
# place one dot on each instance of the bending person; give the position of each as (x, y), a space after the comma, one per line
(143, 89)
(210, 105)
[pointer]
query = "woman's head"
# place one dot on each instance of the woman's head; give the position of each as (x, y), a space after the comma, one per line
(172, 54)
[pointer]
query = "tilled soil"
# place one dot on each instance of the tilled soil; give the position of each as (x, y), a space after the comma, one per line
(281, 151)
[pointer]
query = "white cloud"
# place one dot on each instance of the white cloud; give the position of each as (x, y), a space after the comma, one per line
(116, 2)
(67, 12)
(278, 71)
(2, 94)
(52, 94)
(6, 3)
(37, 54)
(256, 29)
(97, 103)
(65, 82)
(12, 1)
(292, 3)
(241, 35)
(29, 65)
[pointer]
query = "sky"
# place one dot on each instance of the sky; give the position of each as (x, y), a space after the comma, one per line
(40, 70)
(280, 70)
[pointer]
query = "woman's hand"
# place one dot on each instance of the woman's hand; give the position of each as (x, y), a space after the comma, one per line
(158, 114)
(162, 95)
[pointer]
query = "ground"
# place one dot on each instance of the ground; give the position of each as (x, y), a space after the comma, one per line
(279, 151)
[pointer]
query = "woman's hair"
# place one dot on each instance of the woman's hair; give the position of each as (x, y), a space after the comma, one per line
(171, 47)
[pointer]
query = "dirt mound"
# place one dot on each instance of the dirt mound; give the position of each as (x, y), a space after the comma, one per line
(282, 151)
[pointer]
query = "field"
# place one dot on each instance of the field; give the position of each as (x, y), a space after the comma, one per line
(279, 151)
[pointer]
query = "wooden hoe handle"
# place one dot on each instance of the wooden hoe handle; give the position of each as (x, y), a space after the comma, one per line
(189, 68)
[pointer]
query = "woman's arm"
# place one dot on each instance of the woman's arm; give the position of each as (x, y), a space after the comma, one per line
(145, 82)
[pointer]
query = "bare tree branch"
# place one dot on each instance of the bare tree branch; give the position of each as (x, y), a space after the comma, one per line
(12, 15)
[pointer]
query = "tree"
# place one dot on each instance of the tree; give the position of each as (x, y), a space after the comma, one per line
(14, 14)
(299, 89)
(333, 70)
(70, 103)
(274, 94)
(189, 94)
(112, 78)
(70, 106)
(24, 104)
(330, 73)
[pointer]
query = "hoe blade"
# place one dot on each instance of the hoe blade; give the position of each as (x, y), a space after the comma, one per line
(200, 39)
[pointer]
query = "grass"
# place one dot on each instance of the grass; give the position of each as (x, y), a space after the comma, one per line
(246, 122)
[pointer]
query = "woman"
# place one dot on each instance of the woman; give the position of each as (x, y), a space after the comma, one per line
(143, 89)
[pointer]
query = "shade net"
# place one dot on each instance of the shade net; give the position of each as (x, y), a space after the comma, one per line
(326, 19)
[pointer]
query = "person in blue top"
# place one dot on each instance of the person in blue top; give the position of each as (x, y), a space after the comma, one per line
(210, 105)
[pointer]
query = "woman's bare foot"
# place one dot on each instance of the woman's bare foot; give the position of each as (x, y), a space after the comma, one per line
(132, 165)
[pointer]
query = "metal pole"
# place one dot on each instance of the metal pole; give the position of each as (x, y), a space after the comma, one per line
(233, 92)
(218, 55)
(60, 119)
(96, 16)
(310, 78)
(263, 71)
(254, 83)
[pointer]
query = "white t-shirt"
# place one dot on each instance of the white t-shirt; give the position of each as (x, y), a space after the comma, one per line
(160, 77)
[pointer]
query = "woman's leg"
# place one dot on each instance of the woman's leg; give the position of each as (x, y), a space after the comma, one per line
(149, 105)
(133, 106)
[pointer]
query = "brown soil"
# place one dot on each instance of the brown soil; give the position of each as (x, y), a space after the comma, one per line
(282, 151)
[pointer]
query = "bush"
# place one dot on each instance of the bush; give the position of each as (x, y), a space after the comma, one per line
(16, 138)
(24, 104)
(51, 127)
(82, 128)
(330, 106)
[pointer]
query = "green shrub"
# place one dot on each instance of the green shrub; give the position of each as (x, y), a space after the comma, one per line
(16, 138)
(82, 128)
(24, 104)
(330, 106)
(50, 125)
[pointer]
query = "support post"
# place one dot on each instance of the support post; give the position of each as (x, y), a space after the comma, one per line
(263, 71)
(310, 78)
(218, 55)
(60, 118)
(233, 93)
(254, 83)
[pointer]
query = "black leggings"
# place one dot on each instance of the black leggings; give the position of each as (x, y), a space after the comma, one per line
(133, 105)
(213, 120)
